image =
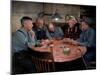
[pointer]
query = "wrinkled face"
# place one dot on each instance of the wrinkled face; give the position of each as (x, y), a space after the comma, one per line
(51, 27)
(40, 23)
(83, 26)
(28, 24)
(71, 23)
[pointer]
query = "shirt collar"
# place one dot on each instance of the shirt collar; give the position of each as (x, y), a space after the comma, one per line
(22, 29)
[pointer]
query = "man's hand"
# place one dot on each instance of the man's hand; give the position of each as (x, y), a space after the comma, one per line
(67, 40)
(32, 33)
(75, 42)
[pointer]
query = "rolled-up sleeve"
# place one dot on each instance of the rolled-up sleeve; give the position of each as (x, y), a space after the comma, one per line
(21, 37)
(90, 39)
(61, 32)
(19, 41)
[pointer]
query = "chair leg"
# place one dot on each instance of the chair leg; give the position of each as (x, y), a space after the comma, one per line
(84, 62)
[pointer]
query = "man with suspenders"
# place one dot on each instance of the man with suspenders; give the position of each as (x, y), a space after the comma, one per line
(22, 42)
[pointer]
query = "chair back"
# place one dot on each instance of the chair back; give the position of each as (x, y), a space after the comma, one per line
(44, 62)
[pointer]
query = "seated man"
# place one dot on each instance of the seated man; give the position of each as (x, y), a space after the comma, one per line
(88, 39)
(40, 29)
(22, 42)
(54, 32)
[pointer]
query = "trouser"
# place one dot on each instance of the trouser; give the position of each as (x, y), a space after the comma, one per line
(90, 54)
(22, 63)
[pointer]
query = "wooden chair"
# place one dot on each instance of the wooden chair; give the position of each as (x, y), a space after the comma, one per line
(92, 65)
(43, 61)
(43, 65)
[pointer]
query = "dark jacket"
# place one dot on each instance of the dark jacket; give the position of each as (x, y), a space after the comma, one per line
(40, 32)
(72, 33)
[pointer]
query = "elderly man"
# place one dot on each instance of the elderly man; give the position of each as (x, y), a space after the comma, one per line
(40, 29)
(54, 32)
(88, 39)
(22, 42)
